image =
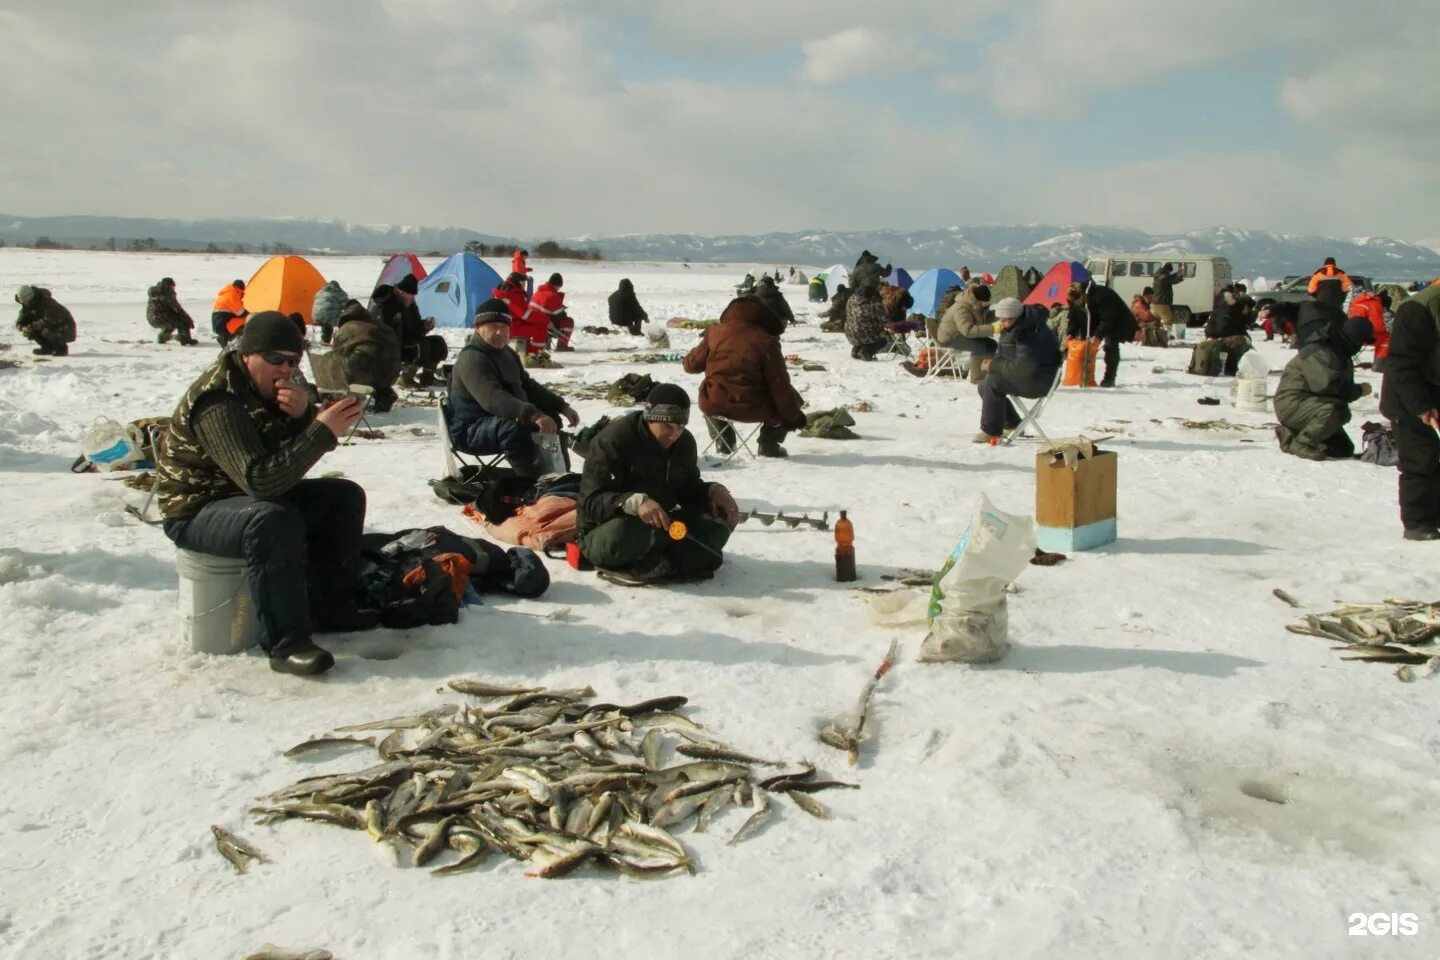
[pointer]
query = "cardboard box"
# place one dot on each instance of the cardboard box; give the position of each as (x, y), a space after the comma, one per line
(1075, 508)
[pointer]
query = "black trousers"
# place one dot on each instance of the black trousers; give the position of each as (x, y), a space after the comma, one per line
(300, 549)
(1418, 449)
(1112, 359)
(1009, 377)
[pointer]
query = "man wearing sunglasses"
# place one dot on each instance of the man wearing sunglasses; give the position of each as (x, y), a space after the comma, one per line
(230, 482)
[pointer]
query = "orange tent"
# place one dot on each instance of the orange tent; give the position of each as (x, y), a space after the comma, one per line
(287, 284)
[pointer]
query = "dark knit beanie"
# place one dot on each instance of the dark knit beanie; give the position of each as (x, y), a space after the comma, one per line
(982, 292)
(408, 284)
(271, 330)
(493, 310)
(556, 280)
(1359, 331)
(667, 403)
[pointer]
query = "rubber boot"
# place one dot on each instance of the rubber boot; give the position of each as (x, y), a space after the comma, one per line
(300, 657)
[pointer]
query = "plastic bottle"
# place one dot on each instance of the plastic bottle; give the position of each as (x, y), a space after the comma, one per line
(844, 549)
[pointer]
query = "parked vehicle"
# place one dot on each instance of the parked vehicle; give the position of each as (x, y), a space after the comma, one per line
(1297, 290)
(1129, 273)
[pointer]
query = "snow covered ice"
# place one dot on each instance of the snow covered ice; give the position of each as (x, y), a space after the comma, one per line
(1157, 769)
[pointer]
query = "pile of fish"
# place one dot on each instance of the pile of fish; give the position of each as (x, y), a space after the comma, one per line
(543, 776)
(1392, 631)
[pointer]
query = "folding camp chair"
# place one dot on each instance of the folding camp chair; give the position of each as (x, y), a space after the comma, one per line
(942, 361)
(896, 345)
(716, 427)
(328, 369)
(1030, 416)
(454, 459)
(156, 434)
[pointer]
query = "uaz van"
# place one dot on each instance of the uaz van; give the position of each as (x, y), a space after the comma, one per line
(1129, 273)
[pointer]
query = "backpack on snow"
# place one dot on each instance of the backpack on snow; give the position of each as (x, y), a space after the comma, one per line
(1378, 445)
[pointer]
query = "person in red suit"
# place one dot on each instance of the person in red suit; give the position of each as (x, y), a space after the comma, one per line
(512, 292)
(548, 307)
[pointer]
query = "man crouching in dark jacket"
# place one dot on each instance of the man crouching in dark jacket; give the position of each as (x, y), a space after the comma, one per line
(641, 475)
(494, 406)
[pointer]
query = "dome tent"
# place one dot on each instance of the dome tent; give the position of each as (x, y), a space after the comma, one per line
(287, 284)
(455, 289)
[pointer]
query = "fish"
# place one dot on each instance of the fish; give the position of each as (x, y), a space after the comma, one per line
(401, 723)
(237, 851)
(392, 744)
(318, 742)
(809, 804)
(714, 803)
(1282, 595)
(269, 951)
(703, 752)
(650, 748)
(753, 822)
(434, 843)
(322, 812)
(483, 688)
(813, 786)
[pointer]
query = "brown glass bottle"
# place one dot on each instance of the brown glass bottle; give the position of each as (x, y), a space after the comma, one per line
(844, 549)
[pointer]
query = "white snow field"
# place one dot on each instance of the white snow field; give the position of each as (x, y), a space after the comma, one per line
(1088, 796)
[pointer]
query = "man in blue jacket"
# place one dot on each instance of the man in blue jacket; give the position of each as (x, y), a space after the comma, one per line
(1024, 366)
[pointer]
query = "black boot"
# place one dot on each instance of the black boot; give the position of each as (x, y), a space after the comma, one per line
(60, 350)
(647, 571)
(769, 448)
(41, 351)
(300, 656)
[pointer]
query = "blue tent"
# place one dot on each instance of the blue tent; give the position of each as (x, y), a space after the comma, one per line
(455, 289)
(930, 286)
(901, 278)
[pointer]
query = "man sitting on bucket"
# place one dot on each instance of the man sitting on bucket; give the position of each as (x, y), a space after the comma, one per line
(230, 482)
(641, 477)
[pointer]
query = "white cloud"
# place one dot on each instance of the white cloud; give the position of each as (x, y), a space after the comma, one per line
(859, 52)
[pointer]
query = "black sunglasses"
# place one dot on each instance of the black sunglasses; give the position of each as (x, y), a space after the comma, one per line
(280, 359)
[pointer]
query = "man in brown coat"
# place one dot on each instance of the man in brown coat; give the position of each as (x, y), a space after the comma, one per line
(745, 376)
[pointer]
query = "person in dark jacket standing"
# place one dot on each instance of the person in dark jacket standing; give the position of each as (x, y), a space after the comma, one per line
(164, 313)
(45, 321)
(641, 475)
(494, 405)
(421, 350)
(1027, 360)
(1329, 284)
(1410, 397)
(746, 379)
(625, 309)
(1313, 400)
(230, 483)
(1109, 322)
(370, 352)
(868, 273)
(325, 311)
(1162, 304)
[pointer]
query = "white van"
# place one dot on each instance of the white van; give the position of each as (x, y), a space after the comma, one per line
(1129, 273)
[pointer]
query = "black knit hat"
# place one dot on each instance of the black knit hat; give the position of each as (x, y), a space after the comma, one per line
(271, 330)
(493, 310)
(1359, 331)
(408, 284)
(982, 292)
(667, 403)
(556, 280)
(167, 282)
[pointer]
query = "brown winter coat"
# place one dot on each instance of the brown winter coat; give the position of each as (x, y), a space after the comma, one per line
(967, 319)
(745, 375)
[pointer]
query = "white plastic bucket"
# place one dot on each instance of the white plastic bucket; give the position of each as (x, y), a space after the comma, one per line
(1248, 393)
(1177, 331)
(216, 612)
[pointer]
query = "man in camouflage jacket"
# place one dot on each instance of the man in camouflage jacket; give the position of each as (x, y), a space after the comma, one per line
(45, 321)
(164, 313)
(230, 483)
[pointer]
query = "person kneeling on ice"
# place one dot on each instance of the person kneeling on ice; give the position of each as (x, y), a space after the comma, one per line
(164, 313)
(494, 405)
(1026, 361)
(1313, 400)
(641, 474)
(370, 352)
(229, 480)
(44, 320)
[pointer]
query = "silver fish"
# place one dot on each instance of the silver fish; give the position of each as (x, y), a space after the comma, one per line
(237, 851)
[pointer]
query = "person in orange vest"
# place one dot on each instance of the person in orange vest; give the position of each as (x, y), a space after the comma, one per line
(1330, 283)
(227, 316)
(512, 292)
(548, 307)
(1374, 307)
(518, 265)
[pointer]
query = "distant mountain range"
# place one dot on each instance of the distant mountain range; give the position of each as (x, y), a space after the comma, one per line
(1251, 252)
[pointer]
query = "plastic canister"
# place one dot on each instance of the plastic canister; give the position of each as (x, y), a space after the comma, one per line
(216, 611)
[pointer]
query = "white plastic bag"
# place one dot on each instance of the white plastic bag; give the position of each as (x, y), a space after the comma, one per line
(968, 618)
(1253, 366)
(110, 446)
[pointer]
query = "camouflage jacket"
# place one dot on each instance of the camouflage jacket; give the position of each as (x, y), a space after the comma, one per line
(187, 476)
(163, 310)
(45, 319)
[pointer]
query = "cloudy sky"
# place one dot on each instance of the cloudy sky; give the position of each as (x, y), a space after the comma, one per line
(572, 117)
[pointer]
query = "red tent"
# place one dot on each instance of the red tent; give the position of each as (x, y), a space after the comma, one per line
(1051, 288)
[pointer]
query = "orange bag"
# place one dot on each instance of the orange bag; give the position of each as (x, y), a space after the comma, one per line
(1078, 354)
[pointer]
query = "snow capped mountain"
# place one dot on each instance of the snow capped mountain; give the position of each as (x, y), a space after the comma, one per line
(982, 246)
